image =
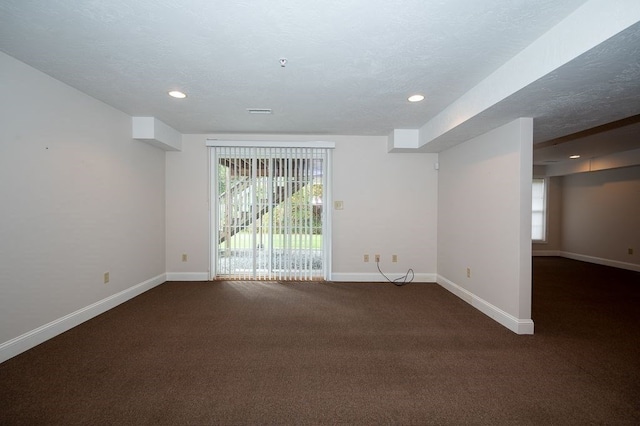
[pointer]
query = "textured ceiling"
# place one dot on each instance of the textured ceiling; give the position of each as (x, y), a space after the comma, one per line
(351, 64)
(620, 136)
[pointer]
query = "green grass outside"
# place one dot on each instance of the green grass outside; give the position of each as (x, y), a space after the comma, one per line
(244, 240)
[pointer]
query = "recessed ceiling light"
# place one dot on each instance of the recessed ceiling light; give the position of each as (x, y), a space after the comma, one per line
(573, 157)
(177, 94)
(415, 98)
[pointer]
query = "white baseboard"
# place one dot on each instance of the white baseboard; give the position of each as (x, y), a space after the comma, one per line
(338, 277)
(590, 259)
(601, 261)
(28, 340)
(546, 253)
(187, 276)
(376, 277)
(517, 325)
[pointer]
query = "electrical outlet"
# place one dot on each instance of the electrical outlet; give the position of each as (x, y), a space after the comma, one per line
(106, 277)
(184, 257)
(366, 257)
(630, 251)
(377, 258)
(394, 258)
(468, 272)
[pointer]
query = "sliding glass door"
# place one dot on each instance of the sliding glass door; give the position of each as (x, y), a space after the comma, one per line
(269, 217)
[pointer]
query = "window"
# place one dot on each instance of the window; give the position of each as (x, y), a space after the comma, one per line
(539, 209)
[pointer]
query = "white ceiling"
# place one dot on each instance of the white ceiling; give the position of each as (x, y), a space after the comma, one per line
(350, 64)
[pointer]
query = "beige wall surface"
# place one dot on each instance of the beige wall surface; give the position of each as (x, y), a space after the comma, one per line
(79, 198)
(390, 207)
(601, 215)
(485, 217)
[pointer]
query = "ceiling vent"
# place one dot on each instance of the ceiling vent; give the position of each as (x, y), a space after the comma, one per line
(259, 110)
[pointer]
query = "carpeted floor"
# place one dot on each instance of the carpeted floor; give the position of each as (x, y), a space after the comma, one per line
(247, 353)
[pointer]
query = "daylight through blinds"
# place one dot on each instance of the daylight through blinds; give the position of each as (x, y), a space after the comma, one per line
(270, 217)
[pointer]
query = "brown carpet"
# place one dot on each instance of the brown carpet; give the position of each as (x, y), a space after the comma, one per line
(247, 353)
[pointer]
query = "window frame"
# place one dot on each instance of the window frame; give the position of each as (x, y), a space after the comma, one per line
(544, 211)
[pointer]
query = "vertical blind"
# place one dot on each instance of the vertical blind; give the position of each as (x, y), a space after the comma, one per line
(270, 222)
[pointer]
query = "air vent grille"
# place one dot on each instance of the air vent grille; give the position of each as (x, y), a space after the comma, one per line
(259, 110)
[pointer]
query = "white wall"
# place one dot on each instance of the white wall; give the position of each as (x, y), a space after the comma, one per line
(187, 208)
(79, 198)
(390, 207)
(484, 212)
(601, 217)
